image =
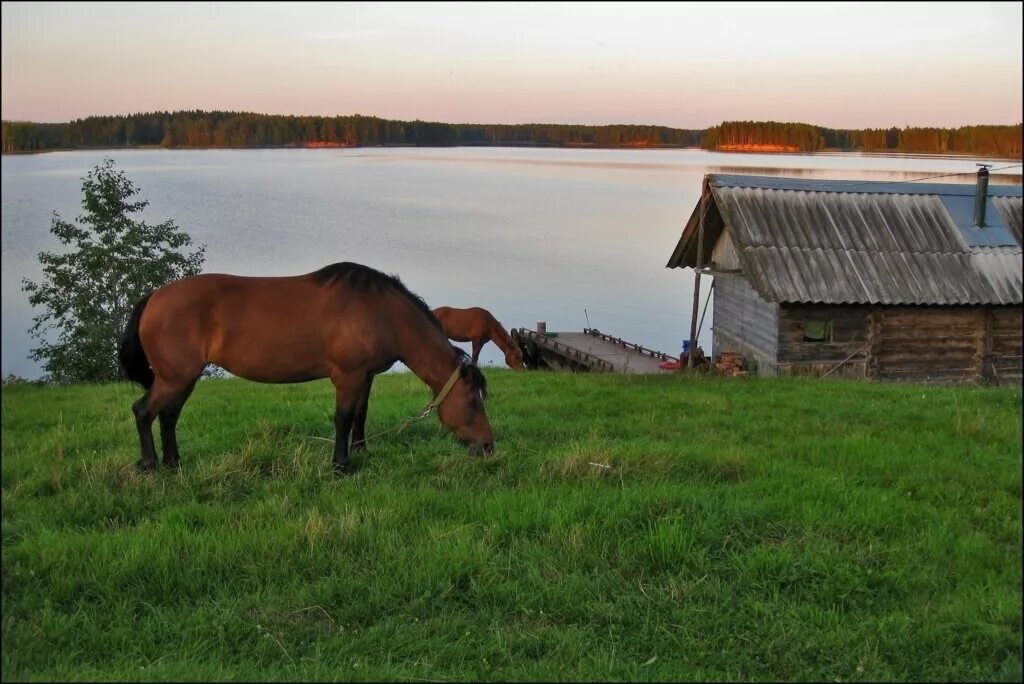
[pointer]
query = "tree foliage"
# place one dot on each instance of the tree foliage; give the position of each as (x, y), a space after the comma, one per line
(88, 291)
(993, 141)
(198, 129)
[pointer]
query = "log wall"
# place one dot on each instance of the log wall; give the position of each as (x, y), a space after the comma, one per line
(946, 344)
(928, 345)
(910, 343)
(1004, 345)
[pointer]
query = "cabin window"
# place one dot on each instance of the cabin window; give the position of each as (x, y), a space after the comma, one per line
(817, 331)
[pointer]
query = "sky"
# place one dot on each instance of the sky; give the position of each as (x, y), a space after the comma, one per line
(686, 65)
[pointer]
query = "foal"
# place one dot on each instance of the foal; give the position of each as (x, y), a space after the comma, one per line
(346, 322)
(478, 326)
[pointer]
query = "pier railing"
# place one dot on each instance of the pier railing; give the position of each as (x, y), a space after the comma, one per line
(571, 354)
(662, 356)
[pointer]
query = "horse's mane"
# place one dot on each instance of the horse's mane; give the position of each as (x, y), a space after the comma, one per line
(470, 372)
(365, 279)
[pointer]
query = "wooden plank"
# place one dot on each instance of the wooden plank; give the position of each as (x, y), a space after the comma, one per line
(933, 335)
(900, 316)
(931, 372)
(984, 360)
(586, 351)
(724, 254)
(745, 315)
(639, 348)
(874, 343)
(621, 359)
(937, 365)
(855, 368)
(896, 352)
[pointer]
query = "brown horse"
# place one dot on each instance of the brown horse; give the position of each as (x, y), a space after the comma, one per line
(478, 326)
(346, 322)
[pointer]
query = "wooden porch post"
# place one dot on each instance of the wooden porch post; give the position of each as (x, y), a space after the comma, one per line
(704, 191)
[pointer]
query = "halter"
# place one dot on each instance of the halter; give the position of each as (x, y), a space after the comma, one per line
(427, 410)
(436, 401)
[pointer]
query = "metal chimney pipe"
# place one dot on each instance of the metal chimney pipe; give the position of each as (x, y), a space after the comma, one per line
(980, 196)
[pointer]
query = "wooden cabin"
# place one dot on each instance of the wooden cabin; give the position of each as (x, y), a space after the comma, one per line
(891, 281)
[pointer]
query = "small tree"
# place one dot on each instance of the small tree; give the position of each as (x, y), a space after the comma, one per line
(89, 291)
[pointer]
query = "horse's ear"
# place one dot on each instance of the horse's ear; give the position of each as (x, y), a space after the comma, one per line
(460, 355)
(470, 372)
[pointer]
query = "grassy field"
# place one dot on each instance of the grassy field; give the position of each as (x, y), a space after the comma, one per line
(650, 528)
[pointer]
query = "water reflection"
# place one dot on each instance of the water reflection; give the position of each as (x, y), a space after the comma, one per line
(533, 234)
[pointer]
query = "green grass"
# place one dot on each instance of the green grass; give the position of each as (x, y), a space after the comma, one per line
(743, 529)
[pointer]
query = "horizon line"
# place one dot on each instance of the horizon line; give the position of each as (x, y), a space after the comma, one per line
(467, 123)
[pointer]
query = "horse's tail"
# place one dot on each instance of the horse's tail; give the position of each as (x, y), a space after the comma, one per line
(132, 355)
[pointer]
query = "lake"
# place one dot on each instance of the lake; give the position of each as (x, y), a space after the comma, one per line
(572, 237)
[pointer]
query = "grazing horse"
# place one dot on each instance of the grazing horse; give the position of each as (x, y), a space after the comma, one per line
(346, 322)
(478, 326)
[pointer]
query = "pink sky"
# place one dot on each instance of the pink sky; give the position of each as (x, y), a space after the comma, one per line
(686, 65)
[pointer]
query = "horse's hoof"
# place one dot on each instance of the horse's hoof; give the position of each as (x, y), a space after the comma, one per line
(173, 465)
(145, 466)
(344, 469)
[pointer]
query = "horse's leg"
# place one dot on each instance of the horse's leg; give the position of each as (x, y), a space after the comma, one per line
(359, 421)
(144, 424)
(146, 410)
(168, 422)
(348, 389)
(478, 344)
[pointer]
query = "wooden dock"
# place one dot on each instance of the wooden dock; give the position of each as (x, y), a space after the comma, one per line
(587, 351)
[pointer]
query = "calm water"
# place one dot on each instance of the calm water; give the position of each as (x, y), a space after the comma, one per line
(553, 235)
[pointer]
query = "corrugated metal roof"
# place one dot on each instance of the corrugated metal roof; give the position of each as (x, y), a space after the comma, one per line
(1010, 210)
(846, 242)
(726, 180)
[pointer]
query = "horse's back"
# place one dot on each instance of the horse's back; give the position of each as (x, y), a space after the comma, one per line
(218, 298)
(262, 328)
(463, 325)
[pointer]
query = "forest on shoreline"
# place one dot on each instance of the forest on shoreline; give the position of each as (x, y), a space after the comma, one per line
(218, 129)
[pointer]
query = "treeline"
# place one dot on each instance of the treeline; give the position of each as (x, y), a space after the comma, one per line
(240, 130)
(990, 141)
(234, 129)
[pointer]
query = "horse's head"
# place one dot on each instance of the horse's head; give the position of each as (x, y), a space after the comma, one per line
(514, 358)
(462, 411)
